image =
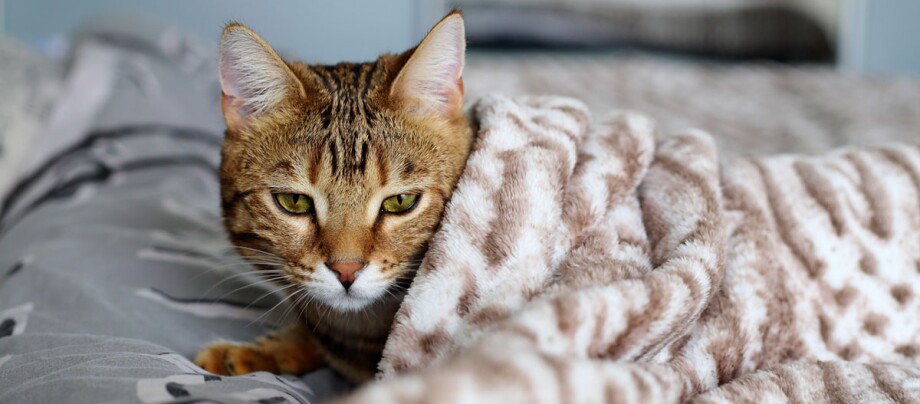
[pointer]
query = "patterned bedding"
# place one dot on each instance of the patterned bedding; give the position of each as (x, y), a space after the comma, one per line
(113, 264)
(29, 83)
(598, 265)
(748, 108)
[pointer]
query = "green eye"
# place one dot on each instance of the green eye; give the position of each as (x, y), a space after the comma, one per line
(399, 203)
(294, 203)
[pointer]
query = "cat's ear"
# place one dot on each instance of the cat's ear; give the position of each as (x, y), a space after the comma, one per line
(253, 78)
(431, 81)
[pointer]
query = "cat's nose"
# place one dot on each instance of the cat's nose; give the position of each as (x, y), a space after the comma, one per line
(346, 271)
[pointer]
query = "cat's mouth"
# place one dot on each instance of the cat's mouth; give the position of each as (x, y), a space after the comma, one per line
(351, 303)
(366, 289)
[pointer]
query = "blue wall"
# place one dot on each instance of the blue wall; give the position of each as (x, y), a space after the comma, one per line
(880, 36)
(319, 31)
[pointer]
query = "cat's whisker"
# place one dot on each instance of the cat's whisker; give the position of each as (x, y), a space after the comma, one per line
(303, 307)
(322, 316)
(259, 265)
(281, 318)
(246, 250)
(391, 293)
(242, 258)
(366, 316)
(269, 293)
(252, 249)
(258, 253)
(301, 301)
(299, 305)
(243, 274)
(258, 260)
(255, 252)
(255, 265)
(291, 305)
(250, 285)
(222, 265)
(272, 309)
(306, 303)
(245, 265)
(231, 261)
(249, 269)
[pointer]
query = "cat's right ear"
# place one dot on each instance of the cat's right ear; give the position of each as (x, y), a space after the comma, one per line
(253, 78)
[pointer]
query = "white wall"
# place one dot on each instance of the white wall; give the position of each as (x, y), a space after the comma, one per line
(319, 31)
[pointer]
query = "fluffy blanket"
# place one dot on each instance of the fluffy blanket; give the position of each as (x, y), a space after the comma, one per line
(812, 109)
(581, 262)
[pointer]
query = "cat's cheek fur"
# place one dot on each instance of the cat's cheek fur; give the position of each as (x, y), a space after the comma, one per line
(369, 287)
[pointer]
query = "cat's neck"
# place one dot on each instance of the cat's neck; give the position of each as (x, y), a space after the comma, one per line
(374, 320)
(353, 341)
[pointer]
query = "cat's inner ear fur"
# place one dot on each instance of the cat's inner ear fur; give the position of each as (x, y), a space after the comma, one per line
(431, 81)
(253, 78)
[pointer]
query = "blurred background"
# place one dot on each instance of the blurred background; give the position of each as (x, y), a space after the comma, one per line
(764, 76)
(857, 35)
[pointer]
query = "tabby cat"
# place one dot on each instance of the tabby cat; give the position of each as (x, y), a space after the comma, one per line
(338, 174)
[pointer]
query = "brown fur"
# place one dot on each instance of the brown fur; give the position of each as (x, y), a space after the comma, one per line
(347, 139)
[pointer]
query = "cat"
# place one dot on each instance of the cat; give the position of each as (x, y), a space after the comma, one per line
(334, 178)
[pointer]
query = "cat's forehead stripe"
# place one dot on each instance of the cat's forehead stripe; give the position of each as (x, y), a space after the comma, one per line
(368, 77)
(347, 80)
(285, 167)
(382, 169)
(356, 76)
(407, 169)
(315, 162)
(348, 154)
(326, 79)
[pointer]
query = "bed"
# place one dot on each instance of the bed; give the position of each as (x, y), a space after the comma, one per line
(113, 265)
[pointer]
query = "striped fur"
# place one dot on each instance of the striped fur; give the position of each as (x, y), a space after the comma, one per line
(348, 136)
(587, 265)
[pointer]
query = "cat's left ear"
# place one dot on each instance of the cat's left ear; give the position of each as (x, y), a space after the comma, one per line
(431, 81)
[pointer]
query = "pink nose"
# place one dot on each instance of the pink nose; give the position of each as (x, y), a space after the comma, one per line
(346, 271)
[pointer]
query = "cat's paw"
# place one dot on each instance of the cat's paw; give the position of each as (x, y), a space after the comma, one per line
(284, 352)
(231, 359)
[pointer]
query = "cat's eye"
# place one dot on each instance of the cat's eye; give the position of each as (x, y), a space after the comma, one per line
(399, 203)
(297, 204)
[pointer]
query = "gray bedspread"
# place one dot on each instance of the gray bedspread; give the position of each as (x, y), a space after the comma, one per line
(113, 264)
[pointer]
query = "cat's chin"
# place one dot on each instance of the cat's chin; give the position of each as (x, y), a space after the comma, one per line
(357, 299)
(368, 290)
(350, 303)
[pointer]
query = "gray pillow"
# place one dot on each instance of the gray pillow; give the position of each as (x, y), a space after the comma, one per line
(29, 82)
(728, 28)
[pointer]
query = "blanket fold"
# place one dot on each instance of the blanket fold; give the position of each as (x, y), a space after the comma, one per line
(578, 262)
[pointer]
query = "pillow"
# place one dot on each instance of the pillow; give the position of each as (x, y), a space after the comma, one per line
(726, 28)
(29, 83)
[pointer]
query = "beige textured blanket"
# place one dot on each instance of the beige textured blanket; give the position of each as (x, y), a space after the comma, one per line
(578, 261)
(749, 108)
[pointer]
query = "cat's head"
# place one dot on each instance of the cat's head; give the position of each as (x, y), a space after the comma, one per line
(341, 171)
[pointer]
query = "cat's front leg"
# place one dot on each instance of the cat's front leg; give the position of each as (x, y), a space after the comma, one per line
(286, 351)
